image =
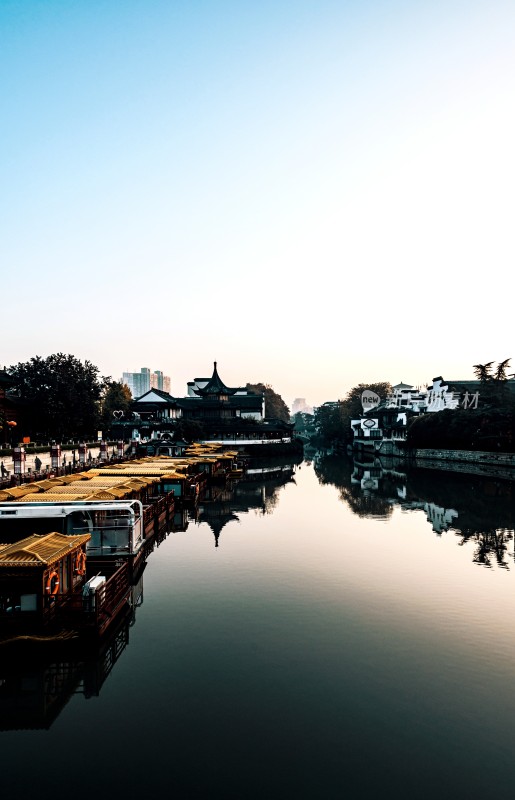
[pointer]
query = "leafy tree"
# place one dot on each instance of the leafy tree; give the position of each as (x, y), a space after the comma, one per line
(303, 422)
(486, 428)
(333, 420)
(117, 397)
(275, 407)
(352, 404)
(189, 430)
(329, 424)
(61, 396)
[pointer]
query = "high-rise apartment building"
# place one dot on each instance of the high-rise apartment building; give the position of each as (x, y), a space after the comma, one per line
(156, 380)
(299, 404)
(141, 382)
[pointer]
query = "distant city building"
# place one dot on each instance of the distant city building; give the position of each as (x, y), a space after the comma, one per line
(141, 382)
(300, 405)
(156, 380)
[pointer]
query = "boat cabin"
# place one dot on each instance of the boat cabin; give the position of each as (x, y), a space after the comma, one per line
(113, 527)
(38, 570)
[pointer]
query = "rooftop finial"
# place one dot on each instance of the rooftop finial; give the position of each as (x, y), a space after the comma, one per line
(214, 362)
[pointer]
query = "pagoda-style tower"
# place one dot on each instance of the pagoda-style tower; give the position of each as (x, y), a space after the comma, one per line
(215, 387)
(217, 394)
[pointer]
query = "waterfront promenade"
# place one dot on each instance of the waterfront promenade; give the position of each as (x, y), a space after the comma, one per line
(46, 463)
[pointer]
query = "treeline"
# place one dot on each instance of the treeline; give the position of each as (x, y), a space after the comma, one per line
(465, 429)
(60, 397)
(489, 426)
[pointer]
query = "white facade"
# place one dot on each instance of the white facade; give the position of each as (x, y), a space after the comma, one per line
(435, 397)
(405, 398)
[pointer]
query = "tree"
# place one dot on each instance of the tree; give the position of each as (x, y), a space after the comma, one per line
(60, 394)
(353, 406)
(500, 372)
(189, 430)
(275, 407)
(117, 397)
(329, 425)
(333, 420)
(483, 372)
(493, 383)
(489, 428)
(303, 422)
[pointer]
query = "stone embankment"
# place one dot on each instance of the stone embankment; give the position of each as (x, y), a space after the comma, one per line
(475, 462)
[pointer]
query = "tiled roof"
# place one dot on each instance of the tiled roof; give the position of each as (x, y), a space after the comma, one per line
(52, 497)
(49, 483)
(26, 488)
(146, 473)
(37, 551)
(74, 488)
(215, 386)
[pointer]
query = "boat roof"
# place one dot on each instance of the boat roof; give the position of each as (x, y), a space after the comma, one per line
(38, 551)
(55, 506)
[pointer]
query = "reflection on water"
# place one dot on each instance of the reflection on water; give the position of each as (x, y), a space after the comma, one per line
(478, 509)
(35, 686)
(257, 491)
(311, 632)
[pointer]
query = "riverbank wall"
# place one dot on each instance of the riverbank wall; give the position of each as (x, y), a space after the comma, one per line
(294, 449)
(473, 462)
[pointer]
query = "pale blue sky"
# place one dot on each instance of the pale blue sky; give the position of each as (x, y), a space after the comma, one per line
(314, 194)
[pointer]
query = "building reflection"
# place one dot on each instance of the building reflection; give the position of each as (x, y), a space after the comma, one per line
(259, 490)
(476, 508)
(36, 684)
(39, 679)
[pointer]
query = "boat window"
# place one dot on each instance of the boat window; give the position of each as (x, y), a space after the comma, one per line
(10, 603)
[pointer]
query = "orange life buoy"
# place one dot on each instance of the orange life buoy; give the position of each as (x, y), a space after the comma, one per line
(52, 588)
(80, 563)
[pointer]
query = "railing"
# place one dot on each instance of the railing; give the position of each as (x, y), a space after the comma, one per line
(148, 514)
(159, 505)
(117, 528)
(116, 523)
(113, 591)
(101, 605)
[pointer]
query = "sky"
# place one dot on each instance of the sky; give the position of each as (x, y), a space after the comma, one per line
(315, 194)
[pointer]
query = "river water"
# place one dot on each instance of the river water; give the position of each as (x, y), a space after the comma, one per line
(325, 631)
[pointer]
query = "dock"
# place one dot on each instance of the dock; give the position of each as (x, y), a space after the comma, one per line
(72, 547)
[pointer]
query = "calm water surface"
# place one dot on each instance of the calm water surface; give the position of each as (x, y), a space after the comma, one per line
(331, 632)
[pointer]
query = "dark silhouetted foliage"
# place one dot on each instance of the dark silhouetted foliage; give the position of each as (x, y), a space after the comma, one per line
(60, 395)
